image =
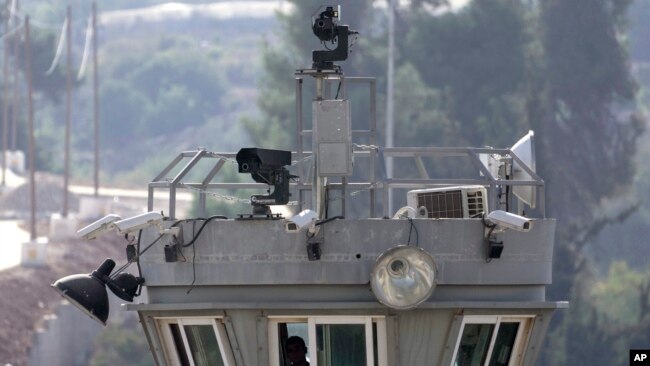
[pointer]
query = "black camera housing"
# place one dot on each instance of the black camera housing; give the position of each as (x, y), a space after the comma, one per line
(327, 29)
(256, 161)
(267, 166)
(324, 26)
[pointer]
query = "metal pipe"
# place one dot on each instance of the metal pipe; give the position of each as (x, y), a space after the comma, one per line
(390, 106)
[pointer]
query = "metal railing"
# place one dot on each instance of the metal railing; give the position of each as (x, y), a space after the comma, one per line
(377, 154)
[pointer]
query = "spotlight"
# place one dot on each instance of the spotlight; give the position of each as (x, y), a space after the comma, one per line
(88, 291)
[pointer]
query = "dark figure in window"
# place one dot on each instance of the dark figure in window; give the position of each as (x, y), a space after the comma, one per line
(296, 351)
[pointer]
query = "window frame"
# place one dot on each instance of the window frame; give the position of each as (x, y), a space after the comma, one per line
(170, 351)
(521, 339)
(313, 320)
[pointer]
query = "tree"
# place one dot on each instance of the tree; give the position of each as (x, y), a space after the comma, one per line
(275, 126)
(122, 344)
(590, 123)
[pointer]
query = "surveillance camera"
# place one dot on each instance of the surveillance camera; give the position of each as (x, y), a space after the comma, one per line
(99, 227)
(305, 219)
(509, 220)
(139, 222)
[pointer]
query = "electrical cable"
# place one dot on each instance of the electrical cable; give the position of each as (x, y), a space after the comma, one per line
(194, 259)
(84, 57)
(338, 89)
(322, 222)
(203, 226)
(487, 238)
(196, 236)
(417, 234)
(59, 48)
(137, 257)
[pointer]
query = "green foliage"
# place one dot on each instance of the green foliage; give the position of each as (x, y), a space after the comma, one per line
(478, 56)
(617, 296)
(122, 344)
(43, 46)
(606, 318)
(156, 93)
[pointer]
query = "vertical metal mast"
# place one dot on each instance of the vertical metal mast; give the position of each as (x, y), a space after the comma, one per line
(390, 106)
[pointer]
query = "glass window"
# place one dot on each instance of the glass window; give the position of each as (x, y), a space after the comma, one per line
(178, 344)
(195, 342)
(474, 344)
(491, 341)
(341, 344)
(329, 341)
(504, 343)
(203, 345)
(292, 330)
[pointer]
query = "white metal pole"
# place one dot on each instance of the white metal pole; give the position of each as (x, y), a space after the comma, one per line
(390, 106)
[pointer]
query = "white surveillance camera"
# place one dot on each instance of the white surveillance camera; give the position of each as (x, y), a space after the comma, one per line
(305, 219)
(139, 222)
(99, 227)
(509, 220)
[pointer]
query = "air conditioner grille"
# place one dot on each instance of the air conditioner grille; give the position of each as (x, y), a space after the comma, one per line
(447, 204)
(474, 203)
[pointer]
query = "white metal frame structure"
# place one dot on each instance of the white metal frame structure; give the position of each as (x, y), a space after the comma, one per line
(169, 346)
(312, 321)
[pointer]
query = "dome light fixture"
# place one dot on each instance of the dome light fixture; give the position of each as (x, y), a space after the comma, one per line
(403, 277)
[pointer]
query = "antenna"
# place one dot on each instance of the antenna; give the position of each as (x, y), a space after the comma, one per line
(525, 150)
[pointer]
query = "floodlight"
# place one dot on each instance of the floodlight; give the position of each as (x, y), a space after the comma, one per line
(403, 277)
(88, 291)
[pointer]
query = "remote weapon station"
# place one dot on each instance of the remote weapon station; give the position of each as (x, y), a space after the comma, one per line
(456, 276)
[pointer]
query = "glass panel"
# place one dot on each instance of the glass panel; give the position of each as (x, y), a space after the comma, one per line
(203, 345)
(374, 343)
(178, 343)
(503, 344)
(341, 344)
(474, 344)
(292, 337)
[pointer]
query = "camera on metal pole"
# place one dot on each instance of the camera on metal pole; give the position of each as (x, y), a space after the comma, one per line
(331, 127)
(327, 29)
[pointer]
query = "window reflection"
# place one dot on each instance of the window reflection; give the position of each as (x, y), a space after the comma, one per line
(474, 344)
(203, 345)
(504, 343)
(341, 344)
(178, 344)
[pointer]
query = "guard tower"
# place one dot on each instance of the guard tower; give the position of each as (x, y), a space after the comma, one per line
(456, 277)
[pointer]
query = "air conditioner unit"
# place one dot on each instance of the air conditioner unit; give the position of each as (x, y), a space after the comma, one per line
(448, 202)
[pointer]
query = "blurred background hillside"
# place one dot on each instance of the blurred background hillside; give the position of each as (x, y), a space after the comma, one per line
(177, 76)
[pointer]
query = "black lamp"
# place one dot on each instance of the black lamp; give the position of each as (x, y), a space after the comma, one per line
(88, 291)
